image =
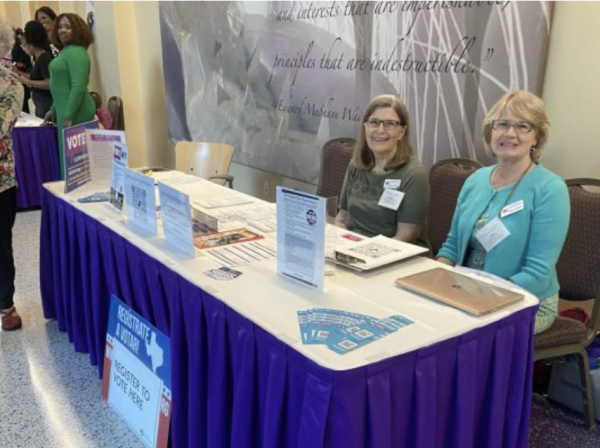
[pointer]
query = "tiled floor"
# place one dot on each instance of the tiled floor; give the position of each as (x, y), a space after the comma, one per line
(50, 395)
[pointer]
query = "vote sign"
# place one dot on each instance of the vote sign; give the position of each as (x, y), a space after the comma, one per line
(137, 374)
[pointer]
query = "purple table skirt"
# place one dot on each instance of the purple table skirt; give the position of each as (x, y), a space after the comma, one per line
(236, 385)
(36, 162)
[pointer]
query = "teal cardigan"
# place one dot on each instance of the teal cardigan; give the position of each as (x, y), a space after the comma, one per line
(537, 233)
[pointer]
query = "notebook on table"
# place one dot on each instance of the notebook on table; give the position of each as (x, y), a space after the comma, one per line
(460, 291)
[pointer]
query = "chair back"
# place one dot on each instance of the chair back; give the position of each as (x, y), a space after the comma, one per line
(97, 99)
(578, 266)
(446, 179)
(204, 160)
(115, 107)
(335, 158)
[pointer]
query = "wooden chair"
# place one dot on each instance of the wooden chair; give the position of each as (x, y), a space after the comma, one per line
(209, 161)
(578, 270)
(335, 158)
(446, 179)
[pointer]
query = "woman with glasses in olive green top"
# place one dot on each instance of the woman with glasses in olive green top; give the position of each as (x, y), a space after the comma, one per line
(386, 190)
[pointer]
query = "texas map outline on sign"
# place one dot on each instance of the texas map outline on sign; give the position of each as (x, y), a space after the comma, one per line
(154, 352)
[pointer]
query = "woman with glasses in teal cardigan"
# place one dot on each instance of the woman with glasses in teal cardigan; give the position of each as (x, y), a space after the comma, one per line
(511, 219)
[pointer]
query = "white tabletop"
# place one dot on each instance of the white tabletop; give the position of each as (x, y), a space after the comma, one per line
(271, 301)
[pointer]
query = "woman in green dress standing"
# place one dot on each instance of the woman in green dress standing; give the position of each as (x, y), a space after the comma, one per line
(69, 77)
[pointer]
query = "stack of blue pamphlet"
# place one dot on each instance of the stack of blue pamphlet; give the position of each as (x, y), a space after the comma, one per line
(342, 331)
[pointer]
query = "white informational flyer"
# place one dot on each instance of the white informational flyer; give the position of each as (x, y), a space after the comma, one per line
(120, 163)
(177, 220)
(140, 202)
(100, 153)
(226, 201)
(27, 120)
(301, 222)
(235, 217)
(175, 178)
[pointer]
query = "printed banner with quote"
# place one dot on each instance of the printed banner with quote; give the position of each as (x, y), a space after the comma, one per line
(278, 79)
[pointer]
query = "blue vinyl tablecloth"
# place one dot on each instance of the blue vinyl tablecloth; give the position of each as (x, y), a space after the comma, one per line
(235, 384)
(36, 162)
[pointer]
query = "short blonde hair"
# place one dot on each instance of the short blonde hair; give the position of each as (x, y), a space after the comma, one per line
(7, 36)
(363, 156)
(528, 107)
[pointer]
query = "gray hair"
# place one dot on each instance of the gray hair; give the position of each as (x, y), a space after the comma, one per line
(7, 36)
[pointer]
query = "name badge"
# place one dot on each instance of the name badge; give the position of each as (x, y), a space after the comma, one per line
(492, 234)
(512, 208)
(392, 184)
(391, 199)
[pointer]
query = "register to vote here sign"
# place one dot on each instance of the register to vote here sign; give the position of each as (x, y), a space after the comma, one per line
(137, 374)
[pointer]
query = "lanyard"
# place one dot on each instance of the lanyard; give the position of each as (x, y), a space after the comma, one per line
(512, 191)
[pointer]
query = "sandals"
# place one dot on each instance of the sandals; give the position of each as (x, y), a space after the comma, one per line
(11, 320)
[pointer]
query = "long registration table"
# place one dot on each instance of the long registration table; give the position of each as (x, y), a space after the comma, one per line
(241, 376)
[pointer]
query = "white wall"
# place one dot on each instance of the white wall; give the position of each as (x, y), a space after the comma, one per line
(572, 90)
(105, 49)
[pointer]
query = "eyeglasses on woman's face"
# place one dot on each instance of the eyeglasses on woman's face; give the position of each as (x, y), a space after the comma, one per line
(389, 125)
(521, 127)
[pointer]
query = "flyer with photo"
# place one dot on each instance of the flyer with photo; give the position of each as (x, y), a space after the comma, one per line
(218, 239)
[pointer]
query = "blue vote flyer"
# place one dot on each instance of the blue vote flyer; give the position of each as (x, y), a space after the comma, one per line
(342, 331)
(137, 374)
(177, 220)
(77, 162)
(140, 202)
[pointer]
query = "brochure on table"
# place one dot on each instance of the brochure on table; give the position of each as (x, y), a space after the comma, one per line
(77, 163)
(140, 202)
(88, 155)
(120, 163)
(177, 220)
(137, 374)
(342, 331)
(301, 222)
(100, 148)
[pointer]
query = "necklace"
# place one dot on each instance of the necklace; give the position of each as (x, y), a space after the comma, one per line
(512, 190)
(496, 184)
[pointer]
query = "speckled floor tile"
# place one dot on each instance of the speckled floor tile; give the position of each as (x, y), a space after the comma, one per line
(49, 395)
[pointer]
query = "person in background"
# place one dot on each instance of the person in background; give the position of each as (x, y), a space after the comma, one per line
(35, 43)
(69, 77)
(11, 101)
(511, 218)
(386, 189)
(46, 17)
(21, 64)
